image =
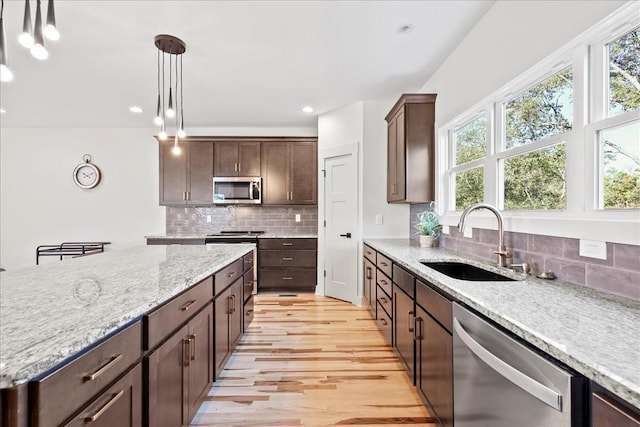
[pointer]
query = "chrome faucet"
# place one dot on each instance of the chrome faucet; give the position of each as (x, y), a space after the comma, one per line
(502, 252)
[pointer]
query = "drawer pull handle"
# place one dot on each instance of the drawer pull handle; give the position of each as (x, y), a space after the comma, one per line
(103, 369)
(287, 244)
(409, 316)
(187, 305)
(192, 350)
(287, 258)
(369, 276)
(186, 349)
(105, 407)
(384, 300)
(384, 282)
(384, 264)
(383, 321)
(287, 278)
(249, 313)
(231, 274)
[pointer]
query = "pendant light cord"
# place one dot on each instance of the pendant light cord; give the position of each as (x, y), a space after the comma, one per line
(163, 85)
(181, 93)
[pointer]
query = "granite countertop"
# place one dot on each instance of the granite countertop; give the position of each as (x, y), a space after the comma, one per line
(52, 311)
(267, 235)
(592, 332)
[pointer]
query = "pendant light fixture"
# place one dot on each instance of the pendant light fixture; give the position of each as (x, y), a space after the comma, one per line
(172, 46)
(38, 50)
(5, 72)
(51, 31)
(26, 37)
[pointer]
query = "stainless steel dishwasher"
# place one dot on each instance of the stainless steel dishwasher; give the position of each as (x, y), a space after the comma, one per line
(499, 382)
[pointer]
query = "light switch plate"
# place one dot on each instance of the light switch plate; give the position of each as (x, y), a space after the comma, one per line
(208, 218)
(297, 217)
(379, 219)
(468, 232)
(445, 229)
(593, 249)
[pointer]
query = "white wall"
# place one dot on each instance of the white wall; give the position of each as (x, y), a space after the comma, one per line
(40, 204)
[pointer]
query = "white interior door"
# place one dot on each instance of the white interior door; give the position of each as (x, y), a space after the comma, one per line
(341, 251)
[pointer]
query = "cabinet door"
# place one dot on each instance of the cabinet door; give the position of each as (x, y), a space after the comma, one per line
(200, 173)
(200, 358)
(303, 175)
(167, 393)
(222, 311)
(225, 158)
(120, 405)
(236, 316)
(400, 193)
(608, 413)
(248, 159)
(434, 370)
(275, 166)
(173, 176)
(403, 323)
(391, 161)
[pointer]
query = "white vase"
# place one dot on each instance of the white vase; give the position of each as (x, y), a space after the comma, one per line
(427, 241)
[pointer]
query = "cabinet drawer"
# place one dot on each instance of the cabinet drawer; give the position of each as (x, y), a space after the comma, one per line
(247, 280)
(287, 279)
(384, 300)
(435, 304)
(287, 258)
(120, 405)
(66, 390)
(248, 312)
(404, 280)
(384, 324)
(385, 265)
(369, 253)
(608, 413)
(165, 319)
(228, 275)
(309, 244)
(384, 283)
(247, 261)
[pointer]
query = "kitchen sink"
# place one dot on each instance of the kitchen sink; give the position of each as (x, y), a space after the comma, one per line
(462, 271)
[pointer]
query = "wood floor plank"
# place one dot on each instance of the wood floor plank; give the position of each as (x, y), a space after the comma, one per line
(307, 360)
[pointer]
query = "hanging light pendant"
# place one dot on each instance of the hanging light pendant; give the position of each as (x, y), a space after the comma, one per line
(26, 37)
(174, 47)
(38, 50)
(51, 31)
(5, 72)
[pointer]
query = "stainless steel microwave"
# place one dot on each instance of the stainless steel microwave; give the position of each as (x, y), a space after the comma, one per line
(237, 190)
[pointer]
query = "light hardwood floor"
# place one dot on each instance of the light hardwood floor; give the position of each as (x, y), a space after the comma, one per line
(312, 361)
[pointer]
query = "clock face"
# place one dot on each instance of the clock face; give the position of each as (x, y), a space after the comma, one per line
(86, 175)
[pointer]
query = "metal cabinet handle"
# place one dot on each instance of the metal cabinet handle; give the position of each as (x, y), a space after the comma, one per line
(369, 271)
(249, 313)
(287, 278)
(384, 282)
(409, 316)
(287, 244)
(418, 336)
(287, 258)
(229, 275)
(104, 368)
(383, 321)
(347, 235)
(239, 167)
(105, 407)
(186, 349)
(229, 310)
(188, 195)
(384, 300)
(526, 383)
(192, 350)
(187, 305)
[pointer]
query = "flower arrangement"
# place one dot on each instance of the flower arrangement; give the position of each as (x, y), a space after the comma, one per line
(428, 224)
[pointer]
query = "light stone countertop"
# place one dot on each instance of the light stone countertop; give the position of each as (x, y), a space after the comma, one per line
(267, 235)
(594, 333)
(50, 312)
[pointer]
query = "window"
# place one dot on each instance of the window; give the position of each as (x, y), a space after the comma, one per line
(624, 73)
(620, 153)
(469, 187)
(470, 150)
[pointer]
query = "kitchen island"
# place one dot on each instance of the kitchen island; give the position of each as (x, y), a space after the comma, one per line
(594, 333)
(51, 314)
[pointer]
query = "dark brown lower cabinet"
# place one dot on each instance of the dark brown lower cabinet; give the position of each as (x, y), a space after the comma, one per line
(180, 372)
(120, 405)
(228, 323)
(403, 323)
(434, 366)
(607, 412)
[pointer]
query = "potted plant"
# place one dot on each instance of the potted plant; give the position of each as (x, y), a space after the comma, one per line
(429, 227)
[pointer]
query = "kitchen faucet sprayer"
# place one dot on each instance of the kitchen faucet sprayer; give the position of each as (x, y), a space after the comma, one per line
(502, 252)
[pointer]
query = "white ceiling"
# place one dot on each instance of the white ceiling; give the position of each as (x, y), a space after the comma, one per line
(253, 63)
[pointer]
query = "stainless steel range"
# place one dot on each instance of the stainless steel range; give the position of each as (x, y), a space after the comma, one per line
(238, 236)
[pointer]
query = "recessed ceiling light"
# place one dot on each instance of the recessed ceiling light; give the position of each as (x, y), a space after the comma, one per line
(307, 109)
(2, 110)
(135, 109)
(404, 28)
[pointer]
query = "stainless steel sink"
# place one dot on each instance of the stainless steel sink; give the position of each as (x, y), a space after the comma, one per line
(462, 271)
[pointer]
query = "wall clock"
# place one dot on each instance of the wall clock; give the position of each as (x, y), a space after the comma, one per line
(86, 175)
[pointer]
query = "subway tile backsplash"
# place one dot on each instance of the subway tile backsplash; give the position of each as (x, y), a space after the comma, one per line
(273, 219)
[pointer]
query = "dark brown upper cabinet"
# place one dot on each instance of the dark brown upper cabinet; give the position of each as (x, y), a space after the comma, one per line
(290, 173)
(187, 178)
(236, 158)
(411, 149)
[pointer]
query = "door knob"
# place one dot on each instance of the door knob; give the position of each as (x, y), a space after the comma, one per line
(347, 235)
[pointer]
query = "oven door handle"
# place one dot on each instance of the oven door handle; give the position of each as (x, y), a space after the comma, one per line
(526, 383)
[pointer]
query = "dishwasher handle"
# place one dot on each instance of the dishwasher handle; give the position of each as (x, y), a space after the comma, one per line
(526, 383)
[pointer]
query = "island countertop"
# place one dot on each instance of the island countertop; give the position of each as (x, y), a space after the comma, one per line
(50, 312)
(592, 332)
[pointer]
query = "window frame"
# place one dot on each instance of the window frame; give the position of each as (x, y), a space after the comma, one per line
(581, 218)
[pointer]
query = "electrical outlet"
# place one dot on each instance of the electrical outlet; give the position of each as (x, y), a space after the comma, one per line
(445, 229)
(208, 218)
(593, 249)
(468, 232)
(297, 217)
(379, 219)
